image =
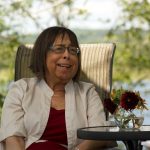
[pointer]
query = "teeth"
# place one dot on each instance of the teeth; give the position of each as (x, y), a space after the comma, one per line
(64, 65)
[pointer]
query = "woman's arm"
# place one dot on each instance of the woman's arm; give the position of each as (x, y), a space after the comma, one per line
(15, 143)
(12, 119)
(96, 117)
(95, 145)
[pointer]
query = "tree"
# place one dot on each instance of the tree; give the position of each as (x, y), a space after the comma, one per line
(132, 34)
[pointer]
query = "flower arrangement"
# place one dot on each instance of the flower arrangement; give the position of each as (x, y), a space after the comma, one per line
(122, 104)
(125, 99)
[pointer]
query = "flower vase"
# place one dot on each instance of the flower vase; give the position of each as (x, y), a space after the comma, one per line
(132, 119)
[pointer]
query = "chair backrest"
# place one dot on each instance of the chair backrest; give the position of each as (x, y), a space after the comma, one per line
(96, 65)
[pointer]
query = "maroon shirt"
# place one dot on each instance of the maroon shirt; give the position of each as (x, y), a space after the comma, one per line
(55, 132)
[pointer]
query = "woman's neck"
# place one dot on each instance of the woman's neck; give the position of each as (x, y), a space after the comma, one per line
(59, 87)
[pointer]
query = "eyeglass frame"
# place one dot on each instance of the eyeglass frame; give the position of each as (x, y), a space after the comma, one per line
(65, 48)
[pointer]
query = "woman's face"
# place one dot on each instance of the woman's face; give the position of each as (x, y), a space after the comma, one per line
(61, 67)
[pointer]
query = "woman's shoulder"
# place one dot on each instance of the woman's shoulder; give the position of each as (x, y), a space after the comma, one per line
(27, 80)
(84, 85)
(24, 82)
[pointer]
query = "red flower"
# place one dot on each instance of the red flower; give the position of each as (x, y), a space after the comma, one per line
(129, 100)
(110, 105)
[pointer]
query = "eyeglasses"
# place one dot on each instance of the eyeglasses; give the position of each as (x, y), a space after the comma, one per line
(61, 49)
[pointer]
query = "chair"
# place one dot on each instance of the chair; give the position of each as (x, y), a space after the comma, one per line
(96, 65)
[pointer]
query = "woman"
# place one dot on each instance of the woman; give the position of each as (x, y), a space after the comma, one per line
(45, 112)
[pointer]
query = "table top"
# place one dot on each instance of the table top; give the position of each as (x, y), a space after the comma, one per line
(114, 133)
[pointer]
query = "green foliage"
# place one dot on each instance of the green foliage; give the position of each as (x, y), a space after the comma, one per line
(115, 95)
(9, 40)
(133, 46)
(136, 10)
(60, 8)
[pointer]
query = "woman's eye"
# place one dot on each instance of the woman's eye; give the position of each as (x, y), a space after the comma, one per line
(73, 49)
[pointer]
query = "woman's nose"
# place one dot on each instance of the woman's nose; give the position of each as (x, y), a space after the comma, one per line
(66, 54)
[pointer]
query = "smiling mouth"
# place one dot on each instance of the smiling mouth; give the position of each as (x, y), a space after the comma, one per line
(64, 65)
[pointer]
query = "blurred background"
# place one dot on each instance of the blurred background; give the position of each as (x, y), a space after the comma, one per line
(124, 22)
